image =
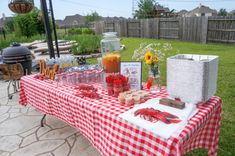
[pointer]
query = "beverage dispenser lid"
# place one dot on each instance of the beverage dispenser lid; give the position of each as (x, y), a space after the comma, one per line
(110, 34)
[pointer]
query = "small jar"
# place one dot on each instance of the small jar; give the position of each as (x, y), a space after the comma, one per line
(126, 87)
(98, 76)
(69, 78)
(117, 88)
(129, 100)
(136, 99)
(64, 79)
(79, 77)
(121, 98)
(74, 81)
(110, 89)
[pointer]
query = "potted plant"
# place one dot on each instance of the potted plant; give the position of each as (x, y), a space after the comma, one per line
(20, 6)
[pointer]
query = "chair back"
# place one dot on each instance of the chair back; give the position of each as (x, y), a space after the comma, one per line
(12, 71)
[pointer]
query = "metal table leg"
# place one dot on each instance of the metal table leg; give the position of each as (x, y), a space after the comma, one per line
(43, 118)
(8, 90)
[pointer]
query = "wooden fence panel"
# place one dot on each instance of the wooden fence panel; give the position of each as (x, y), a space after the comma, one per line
(123, 28)
(221, 29)
(192, 29)
(169, 28)
(109, 26)
(133, 28)
(149, 28)
(145, 33)
(99, 27)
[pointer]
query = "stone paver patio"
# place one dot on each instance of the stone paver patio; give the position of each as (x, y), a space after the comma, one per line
(22, 135)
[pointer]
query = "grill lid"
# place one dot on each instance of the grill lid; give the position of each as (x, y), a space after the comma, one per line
(15, 50)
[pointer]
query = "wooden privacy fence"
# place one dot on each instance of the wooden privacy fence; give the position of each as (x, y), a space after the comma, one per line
(221, 30)
(194, 29)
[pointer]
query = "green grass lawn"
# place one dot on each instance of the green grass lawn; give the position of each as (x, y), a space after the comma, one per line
(225, 88)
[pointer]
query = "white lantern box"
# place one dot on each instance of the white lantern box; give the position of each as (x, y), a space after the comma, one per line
(192, 78)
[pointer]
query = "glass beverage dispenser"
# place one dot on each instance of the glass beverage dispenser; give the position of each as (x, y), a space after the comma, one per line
(110, 45)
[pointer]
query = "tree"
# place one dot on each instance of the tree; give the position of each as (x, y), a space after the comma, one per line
(173, 13)
(94, 16)
(222, 12)
(29, 24)
(37, 17)
(9, 25)
(145, 9)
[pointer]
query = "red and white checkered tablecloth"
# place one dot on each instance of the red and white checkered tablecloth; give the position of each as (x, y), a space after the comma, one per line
(98, 120)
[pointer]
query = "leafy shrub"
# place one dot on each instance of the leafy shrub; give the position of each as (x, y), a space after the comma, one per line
(74, 31)
(79, 31)
(88, 31)
(87, 44)
(9, 26)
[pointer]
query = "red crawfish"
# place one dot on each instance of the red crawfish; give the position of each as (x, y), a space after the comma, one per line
(154, 115)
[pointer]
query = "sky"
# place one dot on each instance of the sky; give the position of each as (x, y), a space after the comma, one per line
(118, 8)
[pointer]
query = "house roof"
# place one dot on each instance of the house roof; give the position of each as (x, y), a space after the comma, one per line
(181, 12)
(112, 18)
(59, 22)
(202, 9)
(232, 12)
(71, 19)
(80, 20)
(159, 7)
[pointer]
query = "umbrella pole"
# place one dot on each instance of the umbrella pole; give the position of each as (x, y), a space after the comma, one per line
(47, 28)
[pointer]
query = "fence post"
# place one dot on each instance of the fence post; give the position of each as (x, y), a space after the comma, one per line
(123, 28)
(143, 28)
(122, 24)
(99, 26)
(127, 28)
(153, 28)
(96, 27)
(117, 27)
(181, 28)
(148, 29)
(204, 29)
(158, 28)
(4, 33)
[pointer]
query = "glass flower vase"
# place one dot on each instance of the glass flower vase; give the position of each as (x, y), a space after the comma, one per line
(155, 79)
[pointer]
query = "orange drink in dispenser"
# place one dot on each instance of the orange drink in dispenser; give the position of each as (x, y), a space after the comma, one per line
(111, 62)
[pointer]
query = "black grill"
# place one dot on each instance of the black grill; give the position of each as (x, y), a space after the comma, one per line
(18, 54)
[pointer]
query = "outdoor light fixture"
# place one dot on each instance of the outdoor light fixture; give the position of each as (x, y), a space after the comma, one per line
(21, 6)
(25, 6)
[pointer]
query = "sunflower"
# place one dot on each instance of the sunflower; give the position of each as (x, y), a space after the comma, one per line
(155, 59)
(148, 58)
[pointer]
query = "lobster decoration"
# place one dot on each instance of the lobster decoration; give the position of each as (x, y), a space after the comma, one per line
(154, 115)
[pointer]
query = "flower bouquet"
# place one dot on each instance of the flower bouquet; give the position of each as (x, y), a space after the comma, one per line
(152, 54)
